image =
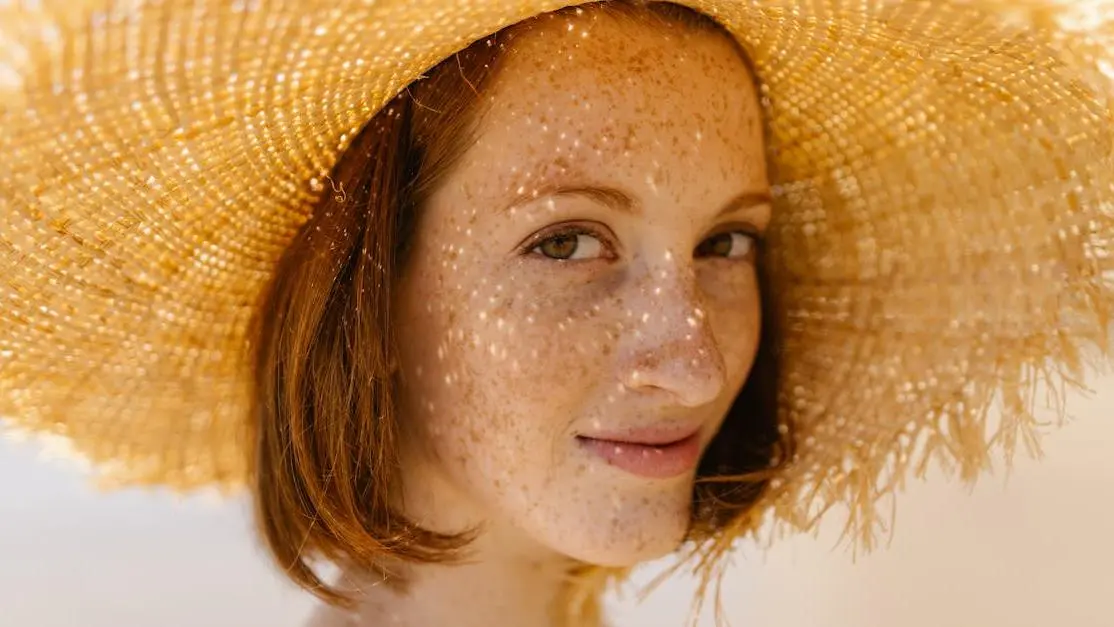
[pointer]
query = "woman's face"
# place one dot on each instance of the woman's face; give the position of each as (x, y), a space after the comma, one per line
(580, 305)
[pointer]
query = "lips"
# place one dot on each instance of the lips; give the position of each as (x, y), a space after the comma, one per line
(648, 453)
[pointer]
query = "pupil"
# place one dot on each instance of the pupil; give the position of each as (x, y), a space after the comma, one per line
(723, 244)
(560, 247)
(719, 245)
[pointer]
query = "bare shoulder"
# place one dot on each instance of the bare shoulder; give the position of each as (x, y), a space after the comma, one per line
(327, 616)
(369, 614)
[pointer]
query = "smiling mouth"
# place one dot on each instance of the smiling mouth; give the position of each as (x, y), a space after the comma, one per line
(648, 455)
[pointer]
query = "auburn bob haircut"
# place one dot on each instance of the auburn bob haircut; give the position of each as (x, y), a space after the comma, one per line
(325, 427)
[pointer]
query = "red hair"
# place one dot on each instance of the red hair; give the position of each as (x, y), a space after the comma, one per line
(325, 453)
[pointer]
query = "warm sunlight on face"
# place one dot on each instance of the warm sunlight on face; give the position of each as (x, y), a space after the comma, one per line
(580, 306)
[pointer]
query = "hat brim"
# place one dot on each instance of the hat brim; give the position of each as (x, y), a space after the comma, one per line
(943, 172)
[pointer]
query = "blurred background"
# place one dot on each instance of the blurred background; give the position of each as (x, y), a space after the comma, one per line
(1032, 549)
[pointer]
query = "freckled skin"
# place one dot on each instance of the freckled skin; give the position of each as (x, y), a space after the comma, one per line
(507, 355)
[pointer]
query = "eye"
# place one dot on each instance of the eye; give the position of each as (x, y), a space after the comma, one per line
(569, 245)
(731, 245)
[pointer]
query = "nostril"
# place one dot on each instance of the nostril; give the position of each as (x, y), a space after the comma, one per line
(694, 376)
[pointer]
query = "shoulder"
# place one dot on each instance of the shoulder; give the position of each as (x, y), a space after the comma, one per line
(327, 616)
(369, 614)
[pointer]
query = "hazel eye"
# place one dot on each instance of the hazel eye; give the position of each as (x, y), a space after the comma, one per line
(731, 245)
(570, 246)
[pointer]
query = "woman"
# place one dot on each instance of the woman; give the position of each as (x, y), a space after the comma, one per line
(553, 306)
(483, 319)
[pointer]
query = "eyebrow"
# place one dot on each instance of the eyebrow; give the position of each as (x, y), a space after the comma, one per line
(620, 201)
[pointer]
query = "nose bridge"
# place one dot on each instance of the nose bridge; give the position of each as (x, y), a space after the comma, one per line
(674, 300)
(671, 345)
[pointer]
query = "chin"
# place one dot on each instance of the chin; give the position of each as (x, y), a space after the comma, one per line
(620, 529)
(617, 550)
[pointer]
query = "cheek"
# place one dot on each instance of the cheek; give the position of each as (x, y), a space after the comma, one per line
(734, 305)
(546, 347)
(492, 357)
(433, 341)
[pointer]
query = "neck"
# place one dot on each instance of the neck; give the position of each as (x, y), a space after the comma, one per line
(488, 589)
(503, 579)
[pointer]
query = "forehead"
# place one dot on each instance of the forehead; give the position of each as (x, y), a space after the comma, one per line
(566, 67)
(595, 93)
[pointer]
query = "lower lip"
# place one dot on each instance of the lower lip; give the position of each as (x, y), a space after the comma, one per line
(646, 460)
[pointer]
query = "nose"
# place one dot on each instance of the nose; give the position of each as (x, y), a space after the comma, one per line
(668, 344)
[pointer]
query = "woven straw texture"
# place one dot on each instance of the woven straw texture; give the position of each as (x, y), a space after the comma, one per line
(943, 239)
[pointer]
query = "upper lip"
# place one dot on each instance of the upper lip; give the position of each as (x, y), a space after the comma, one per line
(649, 436)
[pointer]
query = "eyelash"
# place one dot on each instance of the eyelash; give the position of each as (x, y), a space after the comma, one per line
(531, 246)
(607, 243)
(757, 238)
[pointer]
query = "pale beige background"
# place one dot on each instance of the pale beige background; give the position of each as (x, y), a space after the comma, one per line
(1036, 552)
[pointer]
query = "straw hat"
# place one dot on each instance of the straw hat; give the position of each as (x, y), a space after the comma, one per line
(942, 243)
